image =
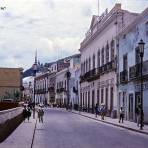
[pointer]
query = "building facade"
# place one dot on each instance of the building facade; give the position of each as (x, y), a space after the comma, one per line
(61, 88)
(129, 67)
(41, 88)
(28, 92)
(99, 59)
(74, 85)
(11, 83)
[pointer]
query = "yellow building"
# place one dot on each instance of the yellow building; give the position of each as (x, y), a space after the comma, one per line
(10, 83)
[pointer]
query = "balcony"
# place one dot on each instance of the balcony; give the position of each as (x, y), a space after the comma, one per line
(93, 75)
(51, 89)
(62, 90)
(108, 67)
(135, 71)
(124, 76)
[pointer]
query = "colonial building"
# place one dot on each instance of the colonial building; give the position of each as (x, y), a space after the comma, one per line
(74, 80)
(98, 59)
(28, 92)
(61, 87)
(129, 66)
(51, 88)
(41, 88)
(11, 83)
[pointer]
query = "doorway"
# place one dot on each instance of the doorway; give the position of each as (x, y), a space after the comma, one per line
(131, 107)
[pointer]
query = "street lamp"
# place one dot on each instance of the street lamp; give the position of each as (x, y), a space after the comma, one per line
(34, 67)
(141, 52)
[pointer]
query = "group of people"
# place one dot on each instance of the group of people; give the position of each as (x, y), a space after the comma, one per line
(27, 111)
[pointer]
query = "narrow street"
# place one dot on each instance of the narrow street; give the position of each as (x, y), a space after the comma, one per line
(63, 129)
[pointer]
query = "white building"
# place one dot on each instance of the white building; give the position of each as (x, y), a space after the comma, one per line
(28, 92)
(98, 59)
(61, 87)
(74, 85)
(129, 66)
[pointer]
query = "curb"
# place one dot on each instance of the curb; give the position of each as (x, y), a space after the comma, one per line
(129, 128)
(32, 141)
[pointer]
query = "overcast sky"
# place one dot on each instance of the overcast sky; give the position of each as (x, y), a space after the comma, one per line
(54, 27)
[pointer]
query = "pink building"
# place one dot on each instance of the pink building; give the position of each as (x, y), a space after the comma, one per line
(98, 59)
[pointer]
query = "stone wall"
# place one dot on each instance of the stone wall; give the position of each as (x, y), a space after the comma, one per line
(9, 120)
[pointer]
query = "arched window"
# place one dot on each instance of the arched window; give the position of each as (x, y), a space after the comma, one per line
(94, 58)
(89, 63)
(98, 59)
(112, 49)
(146, 29)
(107, 53)
(86, 65)
(102, 56)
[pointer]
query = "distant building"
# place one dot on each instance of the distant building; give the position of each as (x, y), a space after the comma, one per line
(28, 92)
(61, 88)
(74, 81)
(11, 83)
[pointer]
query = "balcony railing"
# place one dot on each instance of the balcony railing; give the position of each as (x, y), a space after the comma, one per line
(51, 89)
(110, 66)
(60, 90)
(124, 76)
(135, 71)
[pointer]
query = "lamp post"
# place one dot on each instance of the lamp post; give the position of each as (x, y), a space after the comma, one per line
(34, 74)
(141, 52)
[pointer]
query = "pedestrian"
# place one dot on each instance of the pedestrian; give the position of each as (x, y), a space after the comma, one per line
(33, 112)
(96, 109)
(80, 108)
(40, 114)
(103, 111)
(121, 115)
(28, 114)
(138, 115)
(24, 113)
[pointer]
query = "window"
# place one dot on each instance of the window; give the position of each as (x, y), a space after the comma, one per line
(103, 56)
(94, 61)
(86, 65)
(137, 55)
(146, 29)
(89, 63)
(125, 62)
(112, 49)
(98, 60)
(102, 95)
(107, 53)
(98, 96)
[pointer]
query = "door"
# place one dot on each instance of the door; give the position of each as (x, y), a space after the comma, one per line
(88, 101)
(137, 101)
(93, 100)
(106, 99)
(111, 98)
(131, 112)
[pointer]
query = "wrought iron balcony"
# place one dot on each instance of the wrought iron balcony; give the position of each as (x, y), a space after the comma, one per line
(135, 71)
(124, 76)
(51, 89)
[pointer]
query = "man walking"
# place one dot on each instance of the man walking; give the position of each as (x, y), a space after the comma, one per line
(121, 115)
(40, 114)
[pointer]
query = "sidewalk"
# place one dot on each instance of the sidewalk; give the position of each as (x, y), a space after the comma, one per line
(22, 136)
(127, 124)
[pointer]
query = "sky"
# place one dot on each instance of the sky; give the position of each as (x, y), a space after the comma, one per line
(55, 28)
